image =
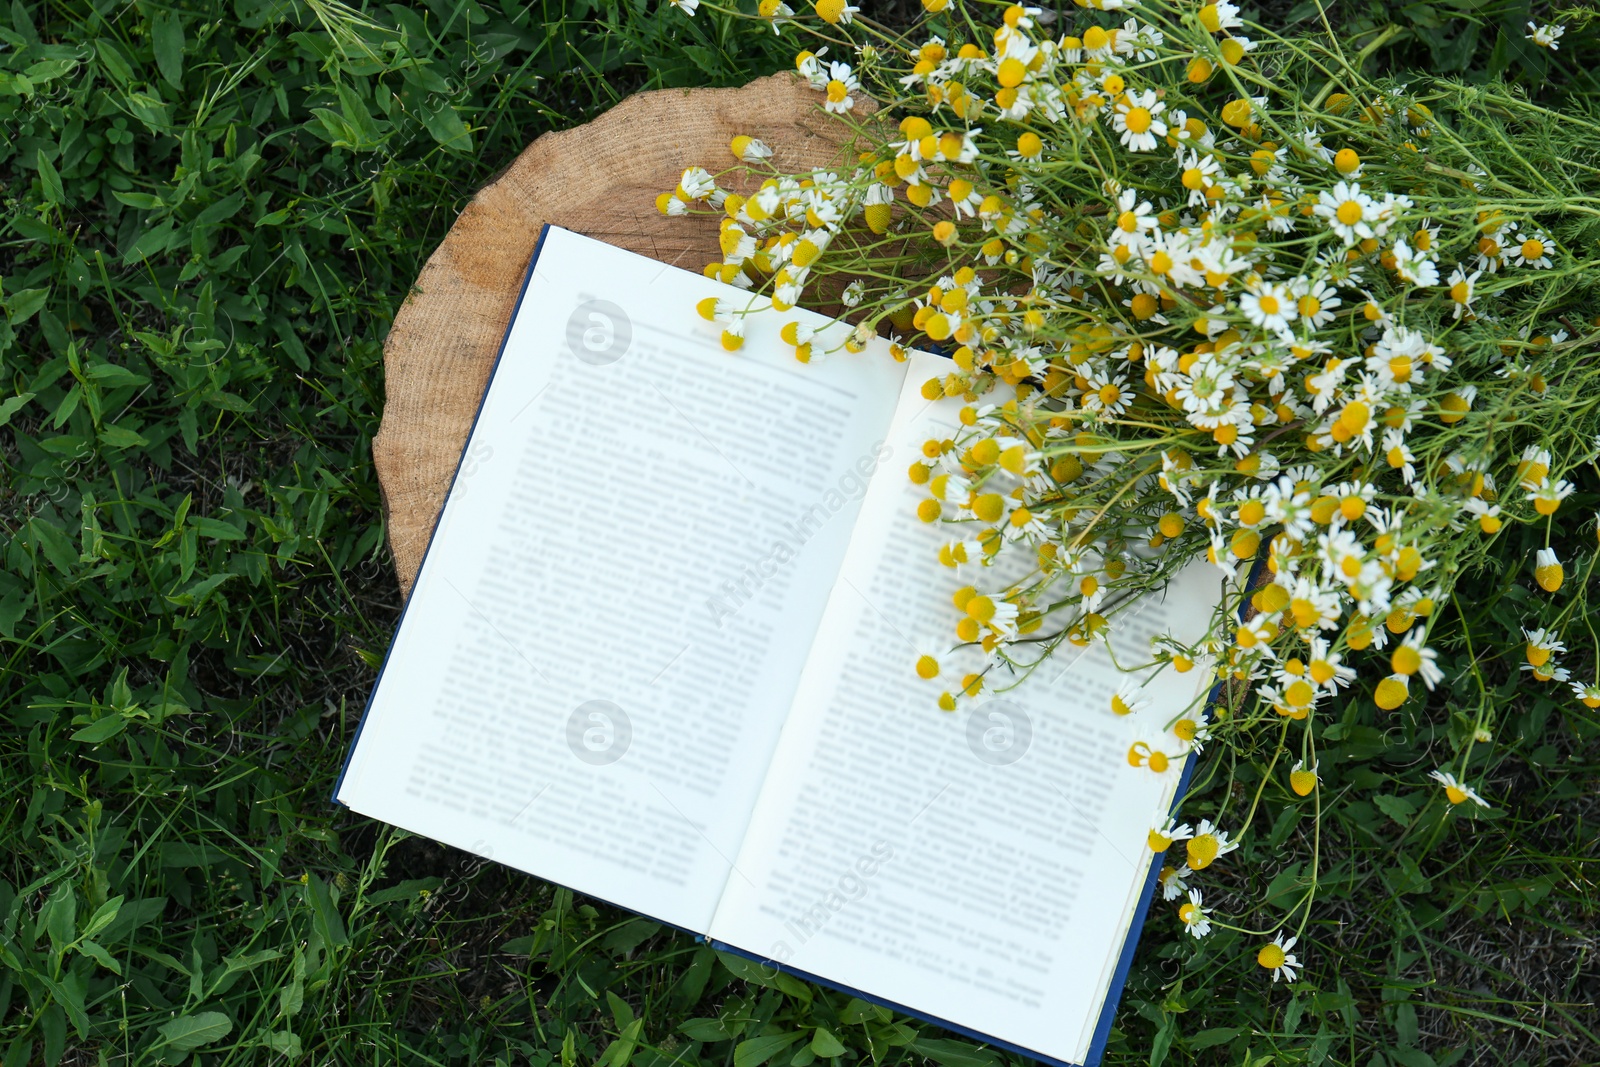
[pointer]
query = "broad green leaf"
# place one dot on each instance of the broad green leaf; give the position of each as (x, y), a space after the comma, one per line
(194, 1031)
(284, 1043)
(221, 211)
(859, 1011)
(759, 1050)
(49, 179)
(142, 201)
(69, 994)
(114, 377)
(222, 531)
(121, 437)
(705, 1030)
(621, 1013)
(103, 917)
(166, 34)
(1220, 1035)
(95, 951)
(325, 914)
(112, 59)
(1398, 808)
(11, 405)
(949, 1053)
(101, 730)
(824, 1044)
(446, 127)
(620, 1051)
(21, 305)
(58, 917)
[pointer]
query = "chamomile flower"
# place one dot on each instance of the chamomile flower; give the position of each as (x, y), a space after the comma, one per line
(1208, 844)
(1541, 647)
(1412, 657)
(1547, 570)
(1325, 667)
(1138, 120)
(1315, 300)
(1303, 779)
(1125, 701)
(1219, 16)
(1174, 881)
(841, 83)
(1415, 267)
(1547, 496)
(1269, 307)
(1455, 791)
(1193, 916)
(836, 12)
(1546, 36)
(1589, 694)
(1462, 290)
(1162, 835)
(1531, 248)
(1348, 212)
(1142, 754)
(1192, 732)
(1492, 249)
(1276, 957)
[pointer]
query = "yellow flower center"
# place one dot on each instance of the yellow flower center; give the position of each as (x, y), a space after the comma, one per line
(1532, 248)
(1455, 794)
(1138, 120)
(1269, 304)
(1202, 850)
(837, 91)
(1189, 913)
(1349, 213)
(1390, 693)
(1461, 292)
(1271, 957)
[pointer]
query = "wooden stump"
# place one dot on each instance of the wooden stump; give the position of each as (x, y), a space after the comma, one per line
(600, 180)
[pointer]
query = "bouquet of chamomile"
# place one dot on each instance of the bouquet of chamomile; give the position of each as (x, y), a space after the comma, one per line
(1211, 292)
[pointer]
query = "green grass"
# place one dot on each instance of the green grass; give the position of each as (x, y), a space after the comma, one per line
(211, 212)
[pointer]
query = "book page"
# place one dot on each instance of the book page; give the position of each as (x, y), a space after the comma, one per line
(980, 867)
(607, 629)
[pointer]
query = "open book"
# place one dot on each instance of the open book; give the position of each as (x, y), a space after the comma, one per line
(661, 648)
